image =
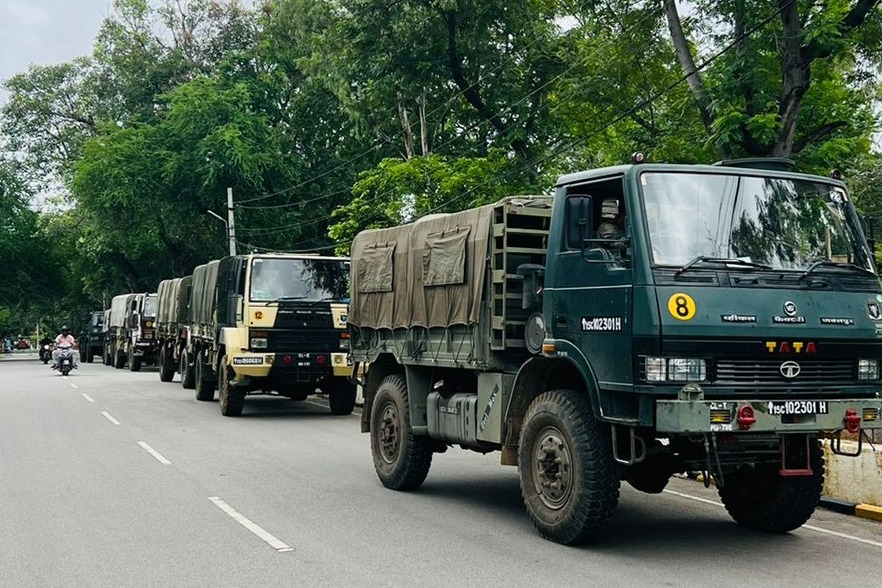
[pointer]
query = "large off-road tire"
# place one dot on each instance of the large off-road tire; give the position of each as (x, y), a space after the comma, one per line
(119, 359)
(188, 372)
(569, 479)
(90, 354)
(82, 353)
(166, 364)
(763, 500)
(232, 399)
(341, 396)
(204, 385)
(134, 361)
(401, 459)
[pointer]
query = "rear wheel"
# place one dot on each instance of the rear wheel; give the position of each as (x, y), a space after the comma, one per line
(401, 459)
(763, 500)
(232, 399)
(119, 361)
(569, 479)
(341, 396)
(204, 386)
(188, 372)
(166, 364)
(90, 354)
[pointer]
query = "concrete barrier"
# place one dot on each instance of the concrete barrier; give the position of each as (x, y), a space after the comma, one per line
(854, 479)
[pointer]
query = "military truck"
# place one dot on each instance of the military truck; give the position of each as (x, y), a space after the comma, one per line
(92, 337)
(173, 299)
(116, 335)
(132, 331)
(269, 324)
(735, 322)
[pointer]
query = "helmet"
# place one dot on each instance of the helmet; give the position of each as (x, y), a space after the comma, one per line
(609, 208)
(65, 328)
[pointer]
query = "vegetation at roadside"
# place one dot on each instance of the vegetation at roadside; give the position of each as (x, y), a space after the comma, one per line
(329, 116)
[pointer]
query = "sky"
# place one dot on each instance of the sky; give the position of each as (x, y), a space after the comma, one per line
(45, 32)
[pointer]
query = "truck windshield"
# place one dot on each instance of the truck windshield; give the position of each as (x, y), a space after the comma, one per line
(150, 305)
(782, 223)
(298, 279)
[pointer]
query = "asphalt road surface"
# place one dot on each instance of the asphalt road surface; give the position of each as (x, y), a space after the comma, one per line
(113, 478)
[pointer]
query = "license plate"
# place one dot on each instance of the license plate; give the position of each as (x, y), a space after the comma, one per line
(793, 407)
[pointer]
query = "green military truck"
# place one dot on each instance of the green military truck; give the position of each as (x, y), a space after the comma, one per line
(172, 305)
(131, 337)
(92, 337)
(116, 330)
(735, 321)
(269, 324)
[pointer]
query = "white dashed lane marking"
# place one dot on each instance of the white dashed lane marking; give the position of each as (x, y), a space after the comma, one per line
(251, 526)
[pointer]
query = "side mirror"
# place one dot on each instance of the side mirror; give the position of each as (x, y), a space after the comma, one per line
(532, 288)
(579, 220)
(234, 307)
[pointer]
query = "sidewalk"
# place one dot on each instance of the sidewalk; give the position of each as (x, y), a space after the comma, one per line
(855, 481)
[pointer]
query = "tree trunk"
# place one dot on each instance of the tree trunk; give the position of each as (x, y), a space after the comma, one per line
(687, 64)
(405, 127)
(796, 78)
(424, 126)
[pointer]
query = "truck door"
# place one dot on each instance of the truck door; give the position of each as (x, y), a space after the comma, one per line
(591, 293)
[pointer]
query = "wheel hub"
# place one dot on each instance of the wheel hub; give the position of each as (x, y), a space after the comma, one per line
(552, 475)
(390, 433)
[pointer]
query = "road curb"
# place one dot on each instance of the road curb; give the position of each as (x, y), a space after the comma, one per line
(864, 511)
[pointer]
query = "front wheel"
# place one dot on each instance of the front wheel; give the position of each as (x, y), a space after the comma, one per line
(763, 500)
(232, 399)
(341, 397)
(401, 459)
(569, 479)
(134, 361)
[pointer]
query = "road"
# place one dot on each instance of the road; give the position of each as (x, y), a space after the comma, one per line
(113, 478)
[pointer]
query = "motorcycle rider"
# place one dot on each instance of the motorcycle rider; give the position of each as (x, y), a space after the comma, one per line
(63, 338)
(45, 347)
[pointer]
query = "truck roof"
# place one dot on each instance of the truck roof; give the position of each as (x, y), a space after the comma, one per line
(743, 170)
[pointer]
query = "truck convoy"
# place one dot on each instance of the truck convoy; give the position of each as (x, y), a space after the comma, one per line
(735, 322)
(269, 323)
(130, 336)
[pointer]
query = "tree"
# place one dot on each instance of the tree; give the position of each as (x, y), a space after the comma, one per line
(753, 100)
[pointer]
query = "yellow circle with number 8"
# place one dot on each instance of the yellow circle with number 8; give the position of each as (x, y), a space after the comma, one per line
(681, 306)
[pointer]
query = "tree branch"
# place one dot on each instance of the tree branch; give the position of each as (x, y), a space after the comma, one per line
(817, 134)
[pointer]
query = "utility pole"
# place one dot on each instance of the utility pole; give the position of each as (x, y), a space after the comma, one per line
(231, 227)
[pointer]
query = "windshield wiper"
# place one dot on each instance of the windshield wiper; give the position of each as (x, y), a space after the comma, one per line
(721, 260)
(836, 264)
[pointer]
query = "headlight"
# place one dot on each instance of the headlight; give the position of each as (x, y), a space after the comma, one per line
(675, 369)
(686, 370)
(868, 369)
(258, 343)
(656, 369)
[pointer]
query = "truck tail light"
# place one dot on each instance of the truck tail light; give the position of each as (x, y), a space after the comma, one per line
(852, 421)
(746, 417)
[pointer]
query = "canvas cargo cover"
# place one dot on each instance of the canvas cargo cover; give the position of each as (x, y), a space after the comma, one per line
(203, 300)
(118, 307)
(429, 273)
(166, 302)
(181, 293)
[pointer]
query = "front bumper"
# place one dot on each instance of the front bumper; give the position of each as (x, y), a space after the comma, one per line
(714, 416)
(295, 367)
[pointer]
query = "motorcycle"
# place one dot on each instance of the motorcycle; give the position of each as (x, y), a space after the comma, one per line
(65, 361)
(45, 353)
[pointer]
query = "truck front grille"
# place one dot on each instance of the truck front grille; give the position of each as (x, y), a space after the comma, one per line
(298, 341)
(769, 372)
